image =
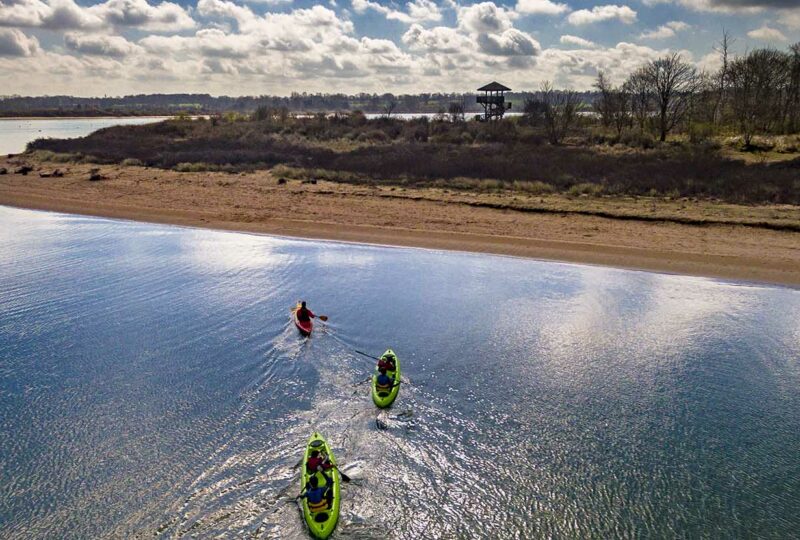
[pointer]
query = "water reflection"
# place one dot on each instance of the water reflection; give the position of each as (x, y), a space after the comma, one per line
(152, 385)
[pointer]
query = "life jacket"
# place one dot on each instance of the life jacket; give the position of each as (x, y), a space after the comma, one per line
(318, 507)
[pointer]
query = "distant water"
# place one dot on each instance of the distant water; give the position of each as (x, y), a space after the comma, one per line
(151, 385)
(16, 133)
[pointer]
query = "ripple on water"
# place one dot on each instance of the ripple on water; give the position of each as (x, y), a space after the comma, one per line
(152, 385)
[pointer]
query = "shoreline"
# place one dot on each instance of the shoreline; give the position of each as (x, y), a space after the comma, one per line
(256, 203)
(83, 117)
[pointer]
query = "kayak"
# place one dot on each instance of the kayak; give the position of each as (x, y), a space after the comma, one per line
(385, 397)
(304, 327)
(321, 521)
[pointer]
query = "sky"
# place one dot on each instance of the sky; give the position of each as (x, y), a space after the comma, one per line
(275, 47)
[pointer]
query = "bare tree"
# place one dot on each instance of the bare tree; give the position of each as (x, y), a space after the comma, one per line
(638, 89)
(793, 99)
(758, 88)
(602, 105)
(672, 83)
(722, 49)
(613, 105)
(560, 111)
(533, 111)
(456, 111)
(389, 108)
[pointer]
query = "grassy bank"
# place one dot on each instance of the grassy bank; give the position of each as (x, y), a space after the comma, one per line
(468, 156)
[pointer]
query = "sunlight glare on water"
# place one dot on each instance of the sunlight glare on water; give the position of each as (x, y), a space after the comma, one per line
(152, 386)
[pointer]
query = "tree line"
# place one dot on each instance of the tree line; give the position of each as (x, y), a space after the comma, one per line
(297, 102)
(756, 93)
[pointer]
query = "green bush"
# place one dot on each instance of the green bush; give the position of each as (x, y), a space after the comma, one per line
(132, 162)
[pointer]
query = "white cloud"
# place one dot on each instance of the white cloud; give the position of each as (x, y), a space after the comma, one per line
(15, 43)
(791, 19)
(577, 41)
(602, 13)
(165, 16)
(99, 45)
(485, 17)
(67, 15)
(417, 11)
(765, 33)
(578, 68)
(724, 6)
(440, 39)
(540, 7)
(511, 42)
(665, 31)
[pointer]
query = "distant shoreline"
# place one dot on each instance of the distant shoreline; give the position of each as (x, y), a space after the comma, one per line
(427, 218)
(85, 117)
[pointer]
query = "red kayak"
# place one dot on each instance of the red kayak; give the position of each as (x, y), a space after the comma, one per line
(305, 327)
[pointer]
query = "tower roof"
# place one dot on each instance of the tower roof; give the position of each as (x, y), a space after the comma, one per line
(494, 86)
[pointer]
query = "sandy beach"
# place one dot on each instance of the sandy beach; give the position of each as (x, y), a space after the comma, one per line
(751, 243)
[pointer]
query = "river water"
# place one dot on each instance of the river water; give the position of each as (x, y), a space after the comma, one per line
(16, 133)
(151, 385)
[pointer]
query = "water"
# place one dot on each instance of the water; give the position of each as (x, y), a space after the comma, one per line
(151, 385)
(16, 133)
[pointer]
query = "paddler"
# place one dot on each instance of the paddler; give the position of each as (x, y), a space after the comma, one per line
(304, 314)
(387, 363)
(315, 494)
(384, 382)
(317, 462)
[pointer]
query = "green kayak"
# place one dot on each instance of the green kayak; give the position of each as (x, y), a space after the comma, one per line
(385, 396)
(322, 517)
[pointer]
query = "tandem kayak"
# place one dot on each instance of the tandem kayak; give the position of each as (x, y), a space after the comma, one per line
(305, 327)
(384, 397)
(321, 519)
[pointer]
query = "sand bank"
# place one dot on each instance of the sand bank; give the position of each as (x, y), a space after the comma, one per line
(760, 244)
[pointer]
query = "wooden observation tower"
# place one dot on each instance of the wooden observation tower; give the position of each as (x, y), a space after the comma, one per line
(493, 100)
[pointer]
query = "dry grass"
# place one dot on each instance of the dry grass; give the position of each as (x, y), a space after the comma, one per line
(462, 156)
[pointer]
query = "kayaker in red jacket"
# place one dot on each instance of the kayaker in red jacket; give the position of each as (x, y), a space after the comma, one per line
(387, 363)
(317, 463)
(304, 314)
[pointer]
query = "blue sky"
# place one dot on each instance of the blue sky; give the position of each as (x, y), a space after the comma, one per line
(233, 47)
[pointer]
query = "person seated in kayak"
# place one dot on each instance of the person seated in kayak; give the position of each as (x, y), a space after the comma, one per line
(319, 497)
(318, 462)
(304, 314)
(387, 363)
(384, 382)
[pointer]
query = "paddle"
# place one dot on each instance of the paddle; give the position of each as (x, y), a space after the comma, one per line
(367, 355)
(345, 478)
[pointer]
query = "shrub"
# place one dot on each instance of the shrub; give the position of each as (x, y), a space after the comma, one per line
(195, 167)
(374, 135)
(637, 139)
(700, 132)
(534, 188)
(132, 162)
(585, 188)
